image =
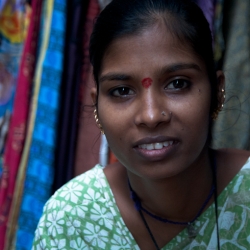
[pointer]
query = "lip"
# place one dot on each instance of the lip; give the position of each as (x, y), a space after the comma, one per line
(156, 154)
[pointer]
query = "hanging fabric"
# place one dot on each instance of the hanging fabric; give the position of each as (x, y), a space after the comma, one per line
(104, 151)
(13, 16)
(219, 42)
(232, 129)
(208, 8)
(36, 172)
(88, 139)
(103, 3)
(16, 134)
(70, 99)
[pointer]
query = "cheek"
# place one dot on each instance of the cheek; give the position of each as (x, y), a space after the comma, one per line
(192, 113)
(118, 126)
(198, 118)
(118, 134)
(114, 121)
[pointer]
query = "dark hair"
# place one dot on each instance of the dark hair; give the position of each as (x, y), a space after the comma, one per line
(183, 18)
(127, 17)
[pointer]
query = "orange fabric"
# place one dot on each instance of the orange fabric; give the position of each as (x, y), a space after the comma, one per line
(112, 157)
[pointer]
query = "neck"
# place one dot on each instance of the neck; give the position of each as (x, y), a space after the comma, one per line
(179, 197)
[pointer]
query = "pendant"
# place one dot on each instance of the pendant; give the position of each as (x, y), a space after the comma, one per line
(191, 230)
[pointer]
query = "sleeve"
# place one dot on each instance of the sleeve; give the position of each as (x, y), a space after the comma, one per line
(75, 217)
(50, 232)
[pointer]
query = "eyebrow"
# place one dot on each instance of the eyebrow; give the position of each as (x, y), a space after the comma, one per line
(167, 69)
(114, 77)
(180, 66)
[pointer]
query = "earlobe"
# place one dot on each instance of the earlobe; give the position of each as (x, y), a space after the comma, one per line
(220, 79)
(93, 93)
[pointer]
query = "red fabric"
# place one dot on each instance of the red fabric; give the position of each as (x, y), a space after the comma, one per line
(17, 129)
(88, 144)
(92, 13)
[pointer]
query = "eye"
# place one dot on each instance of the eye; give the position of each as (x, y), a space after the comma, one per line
(178, 84)
(122, 92)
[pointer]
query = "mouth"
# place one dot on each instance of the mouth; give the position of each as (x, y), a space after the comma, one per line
(155, 142)
(155, 146)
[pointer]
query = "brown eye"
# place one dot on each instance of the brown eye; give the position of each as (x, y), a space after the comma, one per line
(122, 92)
(178, 84)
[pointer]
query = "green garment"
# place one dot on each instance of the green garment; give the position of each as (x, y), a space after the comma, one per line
(83, 215)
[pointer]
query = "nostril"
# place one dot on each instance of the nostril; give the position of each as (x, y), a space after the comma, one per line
(152, 117)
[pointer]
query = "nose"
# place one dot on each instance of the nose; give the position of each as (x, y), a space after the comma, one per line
(152, 111)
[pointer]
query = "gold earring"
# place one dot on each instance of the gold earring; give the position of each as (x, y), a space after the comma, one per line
(217, 111)
(98, 122)
(224, 96)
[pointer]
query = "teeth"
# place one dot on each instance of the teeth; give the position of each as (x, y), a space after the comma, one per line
(149, 146)
(157, 145)
(168, 143)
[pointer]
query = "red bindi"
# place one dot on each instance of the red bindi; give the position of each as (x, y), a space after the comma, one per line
(147, 82)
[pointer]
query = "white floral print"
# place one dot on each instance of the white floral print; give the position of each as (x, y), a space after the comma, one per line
(83, 215)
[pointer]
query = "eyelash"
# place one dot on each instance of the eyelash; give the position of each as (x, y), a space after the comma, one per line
(129, 92)
(126, 89)
(184, 82)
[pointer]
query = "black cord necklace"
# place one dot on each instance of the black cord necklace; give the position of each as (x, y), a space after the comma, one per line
(214, 168)
(190, 225)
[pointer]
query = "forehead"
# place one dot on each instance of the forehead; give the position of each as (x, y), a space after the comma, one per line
(154, 47)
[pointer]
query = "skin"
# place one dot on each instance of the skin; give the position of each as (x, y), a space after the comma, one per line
(128, 112)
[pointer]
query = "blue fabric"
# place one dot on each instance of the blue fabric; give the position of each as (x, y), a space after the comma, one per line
(40, 166)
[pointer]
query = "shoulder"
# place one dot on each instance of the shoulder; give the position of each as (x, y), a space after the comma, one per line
(232, 158)
(231, 162)
(234, 199)
(82, 187)
(78, 205)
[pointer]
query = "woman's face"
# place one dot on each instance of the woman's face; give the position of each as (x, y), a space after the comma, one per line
(154, 103)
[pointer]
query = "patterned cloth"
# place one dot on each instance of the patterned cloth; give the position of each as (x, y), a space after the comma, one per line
(14, 20)
(35, 176)
(232, 128)
(70, 101)
(83, 215)
(17, 129)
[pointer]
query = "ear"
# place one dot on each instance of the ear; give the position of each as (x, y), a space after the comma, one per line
(220, 87)
(93, 93)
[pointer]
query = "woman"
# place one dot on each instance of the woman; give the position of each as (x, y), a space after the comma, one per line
(155, 98)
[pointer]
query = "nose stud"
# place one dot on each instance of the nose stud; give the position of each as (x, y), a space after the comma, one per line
(164, 114)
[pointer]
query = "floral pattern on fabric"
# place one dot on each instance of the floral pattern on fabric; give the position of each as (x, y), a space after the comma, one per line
(83, 215)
